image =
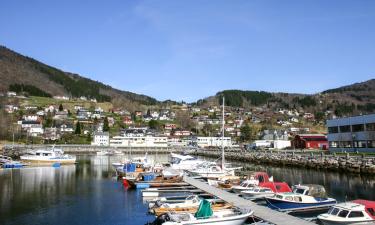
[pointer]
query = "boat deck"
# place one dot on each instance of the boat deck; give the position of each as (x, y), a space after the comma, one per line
(262, 212)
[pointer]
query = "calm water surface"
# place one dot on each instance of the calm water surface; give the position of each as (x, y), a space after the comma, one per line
(87, 193)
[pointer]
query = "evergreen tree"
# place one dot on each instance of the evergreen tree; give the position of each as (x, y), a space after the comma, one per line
(78, 128)
(88, 138)
(61, 108)
(246, 133)
(105, 125)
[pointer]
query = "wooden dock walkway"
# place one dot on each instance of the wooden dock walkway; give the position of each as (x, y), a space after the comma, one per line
(262, 212)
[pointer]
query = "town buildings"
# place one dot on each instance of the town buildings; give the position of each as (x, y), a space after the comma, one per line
(352, 134)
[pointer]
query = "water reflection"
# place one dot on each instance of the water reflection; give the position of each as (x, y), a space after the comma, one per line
(87, 194)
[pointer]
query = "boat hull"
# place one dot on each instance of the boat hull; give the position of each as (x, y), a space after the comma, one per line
(232, 220)
(48, 161)
(329, 222)
(285, 206)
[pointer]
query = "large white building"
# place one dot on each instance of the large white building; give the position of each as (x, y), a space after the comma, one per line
(101, 139)
(213, 142)
(145, 141)
(352, 134)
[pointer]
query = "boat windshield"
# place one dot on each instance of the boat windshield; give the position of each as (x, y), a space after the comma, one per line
(354, 214)
(343, 213)
(333, 211)
(299, 191)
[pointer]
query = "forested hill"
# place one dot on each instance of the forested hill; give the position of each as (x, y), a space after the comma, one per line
(358, 98)
(21, 73)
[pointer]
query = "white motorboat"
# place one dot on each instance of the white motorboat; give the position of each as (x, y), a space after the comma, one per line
(245, 185)
(357, 212)
(49, 156)
(184, 162)
(257, 193)
(208, 217)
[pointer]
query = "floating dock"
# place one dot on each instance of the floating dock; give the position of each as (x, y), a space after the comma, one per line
(261, 212)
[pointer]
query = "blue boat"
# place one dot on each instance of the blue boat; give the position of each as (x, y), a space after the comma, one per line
(303, 198)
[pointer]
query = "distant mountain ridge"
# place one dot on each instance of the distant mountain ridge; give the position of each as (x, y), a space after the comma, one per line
(22, 73)
(358, 98)
(18, 69)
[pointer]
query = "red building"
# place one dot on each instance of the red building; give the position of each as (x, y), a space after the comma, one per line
(310, 141)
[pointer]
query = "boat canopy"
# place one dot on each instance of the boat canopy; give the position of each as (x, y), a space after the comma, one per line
(369, 206)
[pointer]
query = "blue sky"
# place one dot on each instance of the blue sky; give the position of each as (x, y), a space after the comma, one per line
(187, 50)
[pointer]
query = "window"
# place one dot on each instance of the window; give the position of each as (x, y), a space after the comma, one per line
(333, 211)
(343, 213)
(360, 144)
(355, 214)
(333, 144)
(297, 199)
(345, 144)
(370, 144)
(299, 191)
(345, 129)
(371, 211)
(370, 126)
(333, 130)
(358, 127)
(289, 198)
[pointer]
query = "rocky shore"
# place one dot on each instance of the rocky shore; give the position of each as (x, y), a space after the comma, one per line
(345, 163)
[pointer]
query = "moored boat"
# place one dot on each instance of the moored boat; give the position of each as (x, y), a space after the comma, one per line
(205, 215)
(303, 198)
(257, 193)
(357, 212)
(49, 156)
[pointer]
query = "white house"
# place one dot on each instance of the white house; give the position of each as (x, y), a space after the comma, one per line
(11, 93)
(214, 142)
(101, 139)
(35, 130)
(146, 141)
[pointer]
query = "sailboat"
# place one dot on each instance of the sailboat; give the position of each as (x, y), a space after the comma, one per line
(212, 170)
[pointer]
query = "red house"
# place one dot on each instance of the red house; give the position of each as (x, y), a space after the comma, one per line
(310, 141)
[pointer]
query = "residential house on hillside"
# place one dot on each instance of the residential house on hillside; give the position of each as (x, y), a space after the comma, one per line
(51, 133)
(61, 97)
(100, 139)
(11, 108)
(66, 128)
(30, 107)
(11, 94)
(60, 115)
(50, 109)
(127, 120)
(35, 130)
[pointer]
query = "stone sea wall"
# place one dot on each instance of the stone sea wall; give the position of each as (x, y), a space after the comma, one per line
(346, 163)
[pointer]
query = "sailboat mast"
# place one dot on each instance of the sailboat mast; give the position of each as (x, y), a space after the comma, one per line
(222, 140)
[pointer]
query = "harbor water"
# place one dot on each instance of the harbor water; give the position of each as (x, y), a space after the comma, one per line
(88, 192)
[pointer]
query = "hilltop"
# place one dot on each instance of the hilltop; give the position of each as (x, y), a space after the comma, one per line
(22, 73)
(358, 98)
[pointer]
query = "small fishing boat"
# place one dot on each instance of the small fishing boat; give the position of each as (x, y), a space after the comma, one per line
(205, 215)
(49, 156)
(245, 185)
(357, 212)
(225, 182)
(303, 198)
(189, 209)
(8, 162)
(257, 193)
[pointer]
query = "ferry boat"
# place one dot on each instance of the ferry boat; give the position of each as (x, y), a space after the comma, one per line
(49, 156)
(303, 198)
(357, 212)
